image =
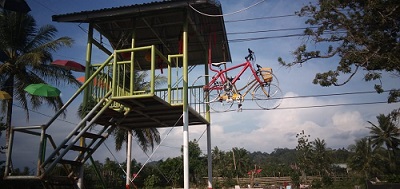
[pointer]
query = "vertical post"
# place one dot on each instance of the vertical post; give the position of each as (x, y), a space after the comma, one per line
(9, 151)
(42, 151)
(169, 80)
(88, 63)
(129, 142)
(209, 54)
(185, 108)
(209, 157)
(128, 159)
(153, 69)
(86, 94)
(132, 69)
(208, 117)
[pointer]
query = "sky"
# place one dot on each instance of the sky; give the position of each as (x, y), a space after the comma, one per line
(325, 117)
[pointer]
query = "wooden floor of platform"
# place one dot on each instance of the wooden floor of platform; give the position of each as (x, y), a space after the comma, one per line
(147, 112)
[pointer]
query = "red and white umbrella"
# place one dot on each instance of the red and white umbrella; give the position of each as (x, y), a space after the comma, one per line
(96, 82)
(69, 65)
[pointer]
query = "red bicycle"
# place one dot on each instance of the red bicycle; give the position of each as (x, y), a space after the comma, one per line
(221, 91)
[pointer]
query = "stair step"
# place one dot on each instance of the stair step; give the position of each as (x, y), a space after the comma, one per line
(70, 162)
(61, 180)
(78, 148)
(91, 135)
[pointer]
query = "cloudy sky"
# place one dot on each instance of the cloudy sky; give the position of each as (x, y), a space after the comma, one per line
(335, 118)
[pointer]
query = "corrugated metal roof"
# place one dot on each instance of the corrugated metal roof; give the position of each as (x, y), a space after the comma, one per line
(161, 23)
(135, 8)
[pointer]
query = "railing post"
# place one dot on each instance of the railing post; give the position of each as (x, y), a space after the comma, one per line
(153, 69)
(9, 151)
(42, 150)
(132, 68)
(169, 79)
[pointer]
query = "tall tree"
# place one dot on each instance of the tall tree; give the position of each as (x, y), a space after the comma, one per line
(25, 57)
(361, 35)
(242, 163)
(366, 161)
(322, 161)
(321, 157)
(386, 133)
(304, 154)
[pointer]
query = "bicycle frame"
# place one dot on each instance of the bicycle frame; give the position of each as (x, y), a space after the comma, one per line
(221, 74)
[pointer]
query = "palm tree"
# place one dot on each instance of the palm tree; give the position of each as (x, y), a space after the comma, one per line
(25, 56)
(385, 133)
(366, 160)
(322, 159)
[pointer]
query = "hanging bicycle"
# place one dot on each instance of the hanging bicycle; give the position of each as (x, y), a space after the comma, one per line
(221, 91)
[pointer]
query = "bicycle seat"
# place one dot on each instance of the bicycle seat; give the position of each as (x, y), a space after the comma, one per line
(217, 64)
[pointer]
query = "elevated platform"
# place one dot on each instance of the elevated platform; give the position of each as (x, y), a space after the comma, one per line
(148, 112)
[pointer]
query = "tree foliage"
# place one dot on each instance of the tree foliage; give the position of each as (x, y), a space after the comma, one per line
(387, 133)
(359, 35)
(25, 57)
(366, 161)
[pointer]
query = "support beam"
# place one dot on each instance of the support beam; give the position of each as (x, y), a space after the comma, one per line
(209, 157)
(185, 108)
(128, 159)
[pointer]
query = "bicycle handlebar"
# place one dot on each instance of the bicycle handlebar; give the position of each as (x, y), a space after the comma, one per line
(250, 56)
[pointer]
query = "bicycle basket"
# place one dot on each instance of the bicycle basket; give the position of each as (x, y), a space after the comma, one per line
(266, 73)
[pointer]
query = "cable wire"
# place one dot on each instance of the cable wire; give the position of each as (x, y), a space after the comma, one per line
(221, 15)
(151, 155)
(259, 18)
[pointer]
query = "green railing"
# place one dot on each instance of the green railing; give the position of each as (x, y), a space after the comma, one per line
(119, 76)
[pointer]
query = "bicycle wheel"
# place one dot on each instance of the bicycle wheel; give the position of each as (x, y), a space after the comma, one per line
(219, 100)
(197, 91)
(215, 97)
(267, 96)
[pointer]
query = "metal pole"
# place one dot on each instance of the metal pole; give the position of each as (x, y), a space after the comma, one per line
(209, 157)
(208, 117)
(86, 94)
(185, 108)
(128, 159)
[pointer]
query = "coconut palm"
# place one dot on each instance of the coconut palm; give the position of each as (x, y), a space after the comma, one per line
(385, 133)
(321, 157)
(366, 160)
(25, 57)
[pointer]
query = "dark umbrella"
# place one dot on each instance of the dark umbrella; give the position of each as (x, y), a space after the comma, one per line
(69, 65)
(15, 5)
(42, 89)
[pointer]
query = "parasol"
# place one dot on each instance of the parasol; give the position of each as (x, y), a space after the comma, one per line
(5, 96)
(69, 65)
(42, 89)
(96, 82)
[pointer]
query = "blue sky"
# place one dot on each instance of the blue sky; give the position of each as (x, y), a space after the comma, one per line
(254, 130)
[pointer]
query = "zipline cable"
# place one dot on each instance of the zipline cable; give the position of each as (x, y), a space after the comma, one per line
(156, 148)
(221, 15)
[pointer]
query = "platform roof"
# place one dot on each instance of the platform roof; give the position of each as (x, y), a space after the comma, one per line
(161, 23)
